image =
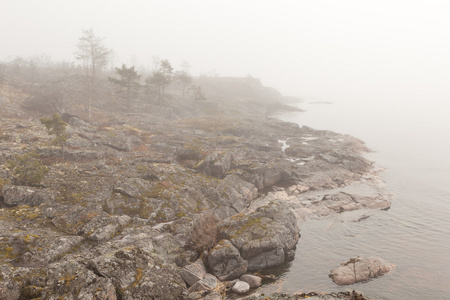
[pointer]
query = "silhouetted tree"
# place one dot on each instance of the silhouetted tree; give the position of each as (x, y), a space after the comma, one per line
(184, 79)
(161, 78)
(129, 79)
(93, 54)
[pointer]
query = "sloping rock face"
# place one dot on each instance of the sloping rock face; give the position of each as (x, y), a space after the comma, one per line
(71, 278)
(137, 274)
(264, 237)
(359, 269)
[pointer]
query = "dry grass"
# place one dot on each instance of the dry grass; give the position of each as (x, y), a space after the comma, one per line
(204, 232)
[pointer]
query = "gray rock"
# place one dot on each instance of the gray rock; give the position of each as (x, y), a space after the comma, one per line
(209, 282)
(252, 280)
(193, 272)
(225, 262)
(216, 164)
(120, 142)
(241, 287)
(359, 269)
(25, 195)
(138, 274)
(9, 288)
(70, 280)
(264, 236)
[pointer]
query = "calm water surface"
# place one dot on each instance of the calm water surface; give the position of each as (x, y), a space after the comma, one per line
(412, 141)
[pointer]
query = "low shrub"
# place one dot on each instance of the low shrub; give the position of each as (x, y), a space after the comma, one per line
(27, 169)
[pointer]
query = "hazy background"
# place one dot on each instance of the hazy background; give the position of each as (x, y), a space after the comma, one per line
(328, 49)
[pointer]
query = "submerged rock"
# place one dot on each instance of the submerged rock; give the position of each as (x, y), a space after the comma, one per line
(359, 269)
(353, 295)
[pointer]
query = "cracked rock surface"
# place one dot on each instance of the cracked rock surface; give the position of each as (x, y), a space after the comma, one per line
(359, 269)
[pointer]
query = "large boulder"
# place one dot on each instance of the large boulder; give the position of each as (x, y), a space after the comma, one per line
(359, 269)
(138, 274)
(225, 262)
(25, 195)
(264, 237)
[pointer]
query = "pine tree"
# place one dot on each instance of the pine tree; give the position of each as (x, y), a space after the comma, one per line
(57, 127)
(129, 79)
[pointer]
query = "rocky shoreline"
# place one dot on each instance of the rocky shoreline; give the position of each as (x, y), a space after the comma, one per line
(146, 207)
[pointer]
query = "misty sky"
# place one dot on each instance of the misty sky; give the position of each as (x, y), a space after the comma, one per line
(328, 49)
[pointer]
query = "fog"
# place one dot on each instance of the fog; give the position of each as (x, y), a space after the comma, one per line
(331, 50)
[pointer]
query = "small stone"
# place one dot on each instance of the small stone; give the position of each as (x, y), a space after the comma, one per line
(252, 280)
(241, 287)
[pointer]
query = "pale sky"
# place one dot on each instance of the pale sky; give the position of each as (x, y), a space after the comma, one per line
(326, 49)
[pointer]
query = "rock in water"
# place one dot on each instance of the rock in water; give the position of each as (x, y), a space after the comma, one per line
(359, 269)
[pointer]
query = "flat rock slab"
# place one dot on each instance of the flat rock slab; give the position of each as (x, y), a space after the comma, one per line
(193, 272)
(359, 269)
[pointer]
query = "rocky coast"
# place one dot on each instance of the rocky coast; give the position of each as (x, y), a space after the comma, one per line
(168, 204)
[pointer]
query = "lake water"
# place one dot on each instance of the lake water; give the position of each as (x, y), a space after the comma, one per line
(412, 141)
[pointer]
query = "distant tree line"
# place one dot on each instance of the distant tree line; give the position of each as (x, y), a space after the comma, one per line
(90, 81)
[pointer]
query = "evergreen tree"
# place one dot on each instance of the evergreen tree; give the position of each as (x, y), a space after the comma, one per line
(161, 78)
(57, 127)
(129, 79)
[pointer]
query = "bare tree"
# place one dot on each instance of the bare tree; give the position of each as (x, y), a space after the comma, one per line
(94, 55)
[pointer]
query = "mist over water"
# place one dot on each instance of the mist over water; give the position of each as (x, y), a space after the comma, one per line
(409, 139)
